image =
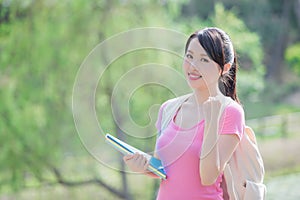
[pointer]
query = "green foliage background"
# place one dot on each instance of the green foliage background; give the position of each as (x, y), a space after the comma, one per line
(42, 45)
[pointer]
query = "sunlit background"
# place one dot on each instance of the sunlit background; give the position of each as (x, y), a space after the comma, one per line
(43, 43)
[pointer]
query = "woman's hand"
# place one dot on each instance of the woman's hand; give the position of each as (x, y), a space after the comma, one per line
(136, 162)
(211, 109)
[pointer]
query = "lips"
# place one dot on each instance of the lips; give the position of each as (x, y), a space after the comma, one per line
(193, 76)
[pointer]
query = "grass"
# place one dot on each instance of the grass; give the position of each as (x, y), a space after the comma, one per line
(83, 168)
(280, 155)
(282, 172)
(140, 187)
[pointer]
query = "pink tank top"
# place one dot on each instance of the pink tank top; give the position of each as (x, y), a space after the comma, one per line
(180, 149)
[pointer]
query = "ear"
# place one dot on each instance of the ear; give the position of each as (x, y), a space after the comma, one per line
(226, 68)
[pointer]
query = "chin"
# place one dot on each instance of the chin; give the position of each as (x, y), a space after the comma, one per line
(197, 86)
(193, 85)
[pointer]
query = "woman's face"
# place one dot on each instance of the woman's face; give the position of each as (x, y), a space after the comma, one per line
(200, 71)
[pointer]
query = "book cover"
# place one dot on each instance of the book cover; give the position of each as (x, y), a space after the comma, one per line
(155, 165)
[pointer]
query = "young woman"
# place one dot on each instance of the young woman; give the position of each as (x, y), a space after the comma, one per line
(200, 139)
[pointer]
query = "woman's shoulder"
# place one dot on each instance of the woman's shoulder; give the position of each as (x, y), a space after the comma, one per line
(234, 108)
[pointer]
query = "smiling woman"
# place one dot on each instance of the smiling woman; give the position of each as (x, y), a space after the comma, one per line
(199, 69)
(200, 138)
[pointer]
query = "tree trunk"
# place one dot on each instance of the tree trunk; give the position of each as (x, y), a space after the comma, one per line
(277, 49)
(297, 11)
(122, 172)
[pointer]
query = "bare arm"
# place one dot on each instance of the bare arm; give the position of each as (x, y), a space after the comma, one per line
(216, 149)
(214, 159)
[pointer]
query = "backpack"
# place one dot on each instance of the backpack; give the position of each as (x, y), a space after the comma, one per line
(244, 172)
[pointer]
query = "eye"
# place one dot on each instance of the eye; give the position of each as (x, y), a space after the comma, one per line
(189, 56)
(204, 60)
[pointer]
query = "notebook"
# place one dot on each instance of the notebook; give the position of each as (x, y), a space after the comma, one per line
(155, 165)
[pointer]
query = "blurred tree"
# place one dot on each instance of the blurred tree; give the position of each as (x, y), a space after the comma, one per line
(292, 56)
(42, 45)
(249, 52)
(37, 70)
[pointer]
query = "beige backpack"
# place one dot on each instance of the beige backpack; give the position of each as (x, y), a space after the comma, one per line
(244, 173)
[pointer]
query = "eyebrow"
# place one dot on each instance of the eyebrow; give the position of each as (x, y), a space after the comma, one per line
(201, 54)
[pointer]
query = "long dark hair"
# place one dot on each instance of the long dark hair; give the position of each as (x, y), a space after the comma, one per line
(219, 48)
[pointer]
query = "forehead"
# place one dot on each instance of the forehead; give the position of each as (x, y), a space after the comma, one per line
(195, 47)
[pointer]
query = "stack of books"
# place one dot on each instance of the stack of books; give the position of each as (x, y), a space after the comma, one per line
(155, 165)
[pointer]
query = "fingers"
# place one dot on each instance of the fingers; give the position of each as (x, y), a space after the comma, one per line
(220, 98)
(211, 108)
(128, 157)
(146, 165)
(140, 160)
(212, 98)
(212, 103)
(136, 162)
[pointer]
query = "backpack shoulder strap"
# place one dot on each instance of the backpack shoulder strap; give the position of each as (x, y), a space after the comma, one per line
(250, 134)
(170, 109)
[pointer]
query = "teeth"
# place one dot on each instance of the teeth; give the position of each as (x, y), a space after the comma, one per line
(194, 76)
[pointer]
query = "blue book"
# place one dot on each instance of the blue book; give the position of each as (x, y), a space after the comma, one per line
(155, 165)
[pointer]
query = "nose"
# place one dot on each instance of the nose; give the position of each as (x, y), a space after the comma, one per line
(192, 65)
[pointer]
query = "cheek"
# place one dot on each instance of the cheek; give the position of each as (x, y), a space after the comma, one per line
(211, 72)
(185, 65)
